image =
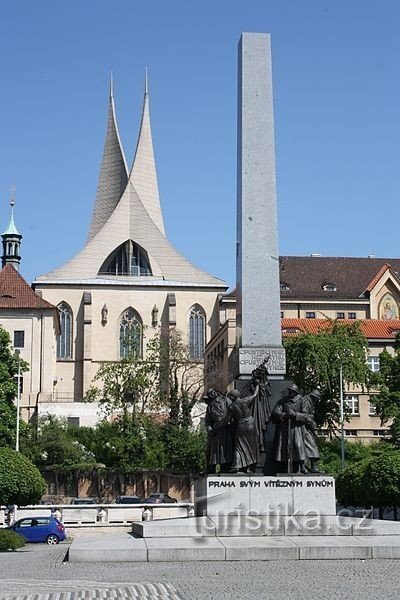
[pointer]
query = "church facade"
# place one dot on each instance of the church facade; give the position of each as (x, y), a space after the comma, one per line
(127, 281)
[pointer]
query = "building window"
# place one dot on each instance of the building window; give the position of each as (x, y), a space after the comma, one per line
(130, 334)
(352, 315)
(197, 332)
(329, 287)
(64, 340)
(73, 421)
(379, 432)
(340, 315)
(372, 409)
(373, 363)
(310, 315)
(129, 259)
(19, 339)
(352, 405)
(351, 432)
(282, 314)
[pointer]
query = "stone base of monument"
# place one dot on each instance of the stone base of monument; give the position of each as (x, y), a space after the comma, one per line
(258, 518)
(257, 495)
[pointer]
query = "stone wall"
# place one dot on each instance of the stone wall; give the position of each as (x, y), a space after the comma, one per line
(105, 485)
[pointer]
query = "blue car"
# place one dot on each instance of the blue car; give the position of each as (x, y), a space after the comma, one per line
(40, 529)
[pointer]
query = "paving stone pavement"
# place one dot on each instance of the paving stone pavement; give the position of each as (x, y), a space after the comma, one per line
(140, 591)
(39, 570)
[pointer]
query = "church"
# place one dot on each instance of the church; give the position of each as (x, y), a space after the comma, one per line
(126, 283)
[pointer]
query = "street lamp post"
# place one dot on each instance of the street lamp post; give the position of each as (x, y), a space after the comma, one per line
(18, 401)
(341, 415)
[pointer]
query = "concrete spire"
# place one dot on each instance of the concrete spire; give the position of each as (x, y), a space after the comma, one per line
(113, 175)
(143, 175)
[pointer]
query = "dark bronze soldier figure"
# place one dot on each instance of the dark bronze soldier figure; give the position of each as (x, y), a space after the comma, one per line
(289, 447)
(245, 448)
(219, 441)
(310, 442)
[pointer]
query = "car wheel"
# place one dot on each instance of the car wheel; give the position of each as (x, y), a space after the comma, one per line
(52, 539)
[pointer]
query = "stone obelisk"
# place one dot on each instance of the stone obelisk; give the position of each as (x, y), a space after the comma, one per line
(258, 291)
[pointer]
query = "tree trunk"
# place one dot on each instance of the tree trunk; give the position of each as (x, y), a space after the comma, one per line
(395, 513)
(381, 512)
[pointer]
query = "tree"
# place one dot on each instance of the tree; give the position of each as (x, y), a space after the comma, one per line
(20, 481)
(314, 361)
(372, 481)
(8, 390)
(140, 394)
(387, 401)
(55, 445)
(180, 383)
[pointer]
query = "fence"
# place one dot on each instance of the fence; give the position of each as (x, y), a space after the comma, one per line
(105, 514)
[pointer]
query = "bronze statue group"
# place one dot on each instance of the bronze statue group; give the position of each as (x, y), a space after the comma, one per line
(236, 425)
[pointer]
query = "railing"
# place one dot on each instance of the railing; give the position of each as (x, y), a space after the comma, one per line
(104, 514)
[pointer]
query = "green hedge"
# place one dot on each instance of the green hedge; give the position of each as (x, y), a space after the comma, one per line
(9, 540)
(20, 481)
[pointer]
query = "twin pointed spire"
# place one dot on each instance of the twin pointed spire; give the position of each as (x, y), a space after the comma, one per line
(113, 177)
(127, 214)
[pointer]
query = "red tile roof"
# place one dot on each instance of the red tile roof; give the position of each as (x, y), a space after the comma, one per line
(16, 293)
(372, 328)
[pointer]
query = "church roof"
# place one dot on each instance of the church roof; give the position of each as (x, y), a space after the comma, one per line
(11, 229)
(136, 216)
(16, 293)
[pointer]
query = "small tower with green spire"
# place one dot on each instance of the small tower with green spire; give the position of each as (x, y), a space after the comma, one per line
(11, 240)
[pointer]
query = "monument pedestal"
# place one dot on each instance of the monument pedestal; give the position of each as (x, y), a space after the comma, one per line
(260, 496)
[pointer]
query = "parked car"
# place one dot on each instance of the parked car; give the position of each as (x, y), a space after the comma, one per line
(159, 498)
(128, 500)
(83, 501)
(40, 529)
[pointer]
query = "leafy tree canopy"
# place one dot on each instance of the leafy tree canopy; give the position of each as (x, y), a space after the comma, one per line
(8, 390)
(314, 361)
(387, 401)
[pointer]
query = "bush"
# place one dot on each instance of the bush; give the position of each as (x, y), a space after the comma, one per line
(9, 540)
(20, 481)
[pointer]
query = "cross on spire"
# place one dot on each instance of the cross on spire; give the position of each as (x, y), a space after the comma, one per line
(13, 189)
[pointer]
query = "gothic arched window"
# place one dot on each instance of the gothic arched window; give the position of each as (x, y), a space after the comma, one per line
(64, 340)
(130, 334)
(128, 259)
(197, 331)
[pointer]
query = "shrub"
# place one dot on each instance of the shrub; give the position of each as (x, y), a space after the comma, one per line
(9, 540)
(20, 481)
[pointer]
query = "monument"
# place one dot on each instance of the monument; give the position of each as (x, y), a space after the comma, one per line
(242, 514)
(262, 398)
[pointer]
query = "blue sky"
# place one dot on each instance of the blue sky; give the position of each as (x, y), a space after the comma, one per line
(337, 120)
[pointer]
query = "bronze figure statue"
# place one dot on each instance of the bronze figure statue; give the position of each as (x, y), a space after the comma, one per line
(245, 447)
(219, 433)
(289, 446)
(310, 443)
